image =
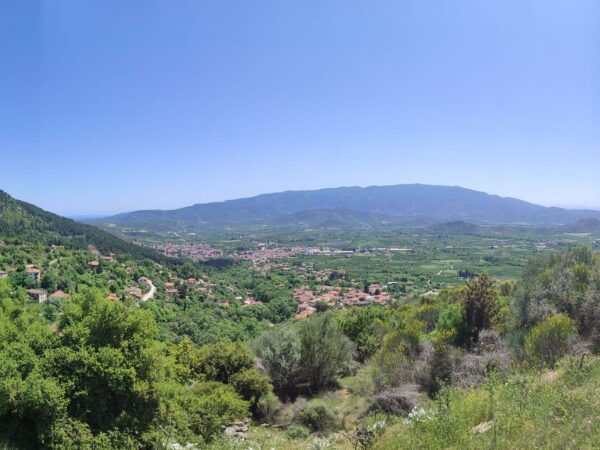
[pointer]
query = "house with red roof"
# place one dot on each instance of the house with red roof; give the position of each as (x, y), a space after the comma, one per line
(57, 295)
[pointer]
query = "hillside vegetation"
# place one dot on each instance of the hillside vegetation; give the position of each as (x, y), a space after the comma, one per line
(23, 222)
(477, 365)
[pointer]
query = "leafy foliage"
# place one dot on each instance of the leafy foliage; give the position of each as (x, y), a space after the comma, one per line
(550, 339)
(312, 354)
(100, 379)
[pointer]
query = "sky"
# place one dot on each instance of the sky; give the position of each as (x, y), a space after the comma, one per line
(109, 106)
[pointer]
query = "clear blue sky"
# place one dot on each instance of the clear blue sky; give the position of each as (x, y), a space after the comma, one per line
(109, 106)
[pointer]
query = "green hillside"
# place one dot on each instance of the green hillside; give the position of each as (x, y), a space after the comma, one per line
(27, 223)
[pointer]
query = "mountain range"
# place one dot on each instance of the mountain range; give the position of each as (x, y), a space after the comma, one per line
(404, 204)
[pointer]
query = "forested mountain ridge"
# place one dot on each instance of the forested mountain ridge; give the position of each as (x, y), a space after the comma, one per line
(28, 223)
(403, 203)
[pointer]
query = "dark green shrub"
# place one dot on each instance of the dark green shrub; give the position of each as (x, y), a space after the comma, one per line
(268, 408)
(222, 360)
(211, 406)
(325, 351)
(317, 417)
(479, 308)
(252, 385)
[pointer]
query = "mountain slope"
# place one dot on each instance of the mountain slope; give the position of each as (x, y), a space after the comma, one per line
(399, 203)
(583, 226)
(333, 218)
(25, 222)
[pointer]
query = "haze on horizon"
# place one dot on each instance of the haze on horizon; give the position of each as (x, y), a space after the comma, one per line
(110, 106)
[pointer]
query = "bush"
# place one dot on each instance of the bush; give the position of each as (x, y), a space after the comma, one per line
(561, 283)
(317, 417)
(312, 355)
(396, 359)
(252, 385)
(211, 406)
(452, 320)
(551, 339)
(325, 351)
(298, 432)
(222, 360)
(398, 401)
(268, 408)
(479, 307)
(434, 365)
(362, 326)
(279, 353)
(491, 353)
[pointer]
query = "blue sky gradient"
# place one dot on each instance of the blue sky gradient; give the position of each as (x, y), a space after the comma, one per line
(109, 106)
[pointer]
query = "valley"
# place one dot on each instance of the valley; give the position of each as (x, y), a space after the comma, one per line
(299, 225)
(337, 337)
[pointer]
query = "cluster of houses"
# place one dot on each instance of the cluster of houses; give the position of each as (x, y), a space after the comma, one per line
(544, 245)
(199, 285)
(200, 252)
(262, 253)
(191, 250)
(245, 302)
(337, 297)
(41, 296)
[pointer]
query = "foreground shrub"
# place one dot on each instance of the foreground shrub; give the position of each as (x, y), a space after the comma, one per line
(252, 385)
(479, 304)
(268, 408)
(211, 406)
(398, 401)
(310, 356)
(317, 417)
(551, 339)
(325, 351)
(490, 354)
(222, 360)
(279, 353)
(396, 359)
(362, 326)
(452, 320)
(298, 432)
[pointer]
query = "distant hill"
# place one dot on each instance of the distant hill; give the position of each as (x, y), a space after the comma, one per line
(583, 226)
(24, 222)
(457, 227)
(333, 218)
(403, 204)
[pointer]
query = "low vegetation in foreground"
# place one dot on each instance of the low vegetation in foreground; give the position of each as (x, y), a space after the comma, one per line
(487, 363)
